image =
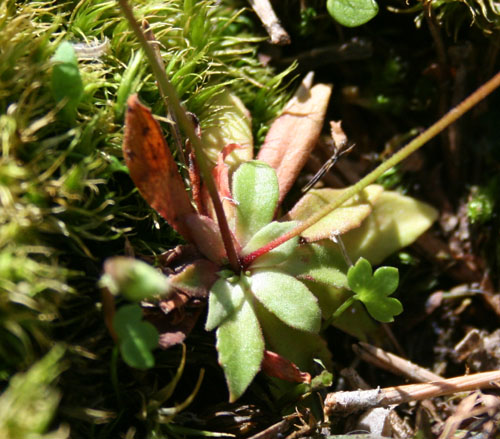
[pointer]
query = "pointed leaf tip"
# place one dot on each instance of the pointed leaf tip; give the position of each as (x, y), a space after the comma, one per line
(241, 348)
(294, 134)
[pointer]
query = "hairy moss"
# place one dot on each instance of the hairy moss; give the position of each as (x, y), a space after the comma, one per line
(66, 199)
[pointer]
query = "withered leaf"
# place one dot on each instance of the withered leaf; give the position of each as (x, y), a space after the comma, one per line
(294, 134)
(152, 167)
(275, 365)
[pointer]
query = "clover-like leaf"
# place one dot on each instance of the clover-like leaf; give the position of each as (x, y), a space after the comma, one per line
(255, 189)
(287, 298)
(137, 338)
(373, 290)
(241, 348)
(352, 13)
(225, 298)
(266, 235)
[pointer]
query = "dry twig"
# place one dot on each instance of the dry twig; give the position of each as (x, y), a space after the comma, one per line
(393, 363)
(265, 12)
(349, 402)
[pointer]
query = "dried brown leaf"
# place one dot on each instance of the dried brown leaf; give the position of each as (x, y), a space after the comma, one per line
(294, 133)
(152, 167)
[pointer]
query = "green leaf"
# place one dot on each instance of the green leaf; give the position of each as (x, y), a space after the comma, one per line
(137, 338)
(266, 235)
(300, 347)
(66, 80)
(373, 290)
(396, 221)
(133, 279)
(318, 262)
(287, 298)
(352, 13)
(341, 220)
(241, 348)
(255, 189)
(225, 298)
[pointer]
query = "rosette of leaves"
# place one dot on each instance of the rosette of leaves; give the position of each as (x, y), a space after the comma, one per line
(267, 304)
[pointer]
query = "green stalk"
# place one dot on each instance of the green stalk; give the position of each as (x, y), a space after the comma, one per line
(338, 312)
(185, 123)
(399, 156)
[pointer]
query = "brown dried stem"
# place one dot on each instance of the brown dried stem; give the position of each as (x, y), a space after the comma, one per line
(348, 402)
(188, 128)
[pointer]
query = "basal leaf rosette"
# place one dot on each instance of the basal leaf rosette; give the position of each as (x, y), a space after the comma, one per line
(236, 302)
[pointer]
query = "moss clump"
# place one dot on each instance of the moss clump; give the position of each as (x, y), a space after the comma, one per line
(67, 202)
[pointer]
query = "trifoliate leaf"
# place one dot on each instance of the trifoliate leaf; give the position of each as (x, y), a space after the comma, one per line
(287, 298)
(241, 348)
(373, 290)
(352, 13)
(137, 338)
(133, 279)
(266, 235)
(255, 190)
(225, 298)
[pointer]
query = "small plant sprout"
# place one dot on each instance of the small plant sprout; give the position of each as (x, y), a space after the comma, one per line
(269, 279)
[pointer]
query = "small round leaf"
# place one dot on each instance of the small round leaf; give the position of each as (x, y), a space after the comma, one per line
(352, 13)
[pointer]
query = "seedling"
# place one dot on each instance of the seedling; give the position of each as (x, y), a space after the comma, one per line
(269, 280)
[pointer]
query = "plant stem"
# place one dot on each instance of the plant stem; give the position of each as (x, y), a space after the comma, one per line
(167, 89)
(338, 312)
(399, 156)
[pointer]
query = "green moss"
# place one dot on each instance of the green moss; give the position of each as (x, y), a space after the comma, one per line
(67, 202)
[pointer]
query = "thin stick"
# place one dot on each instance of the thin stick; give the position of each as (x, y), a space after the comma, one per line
(399, 156)
(187, 126)
(348, 402)
(271, 23)
(174, 127)
(393, 363)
